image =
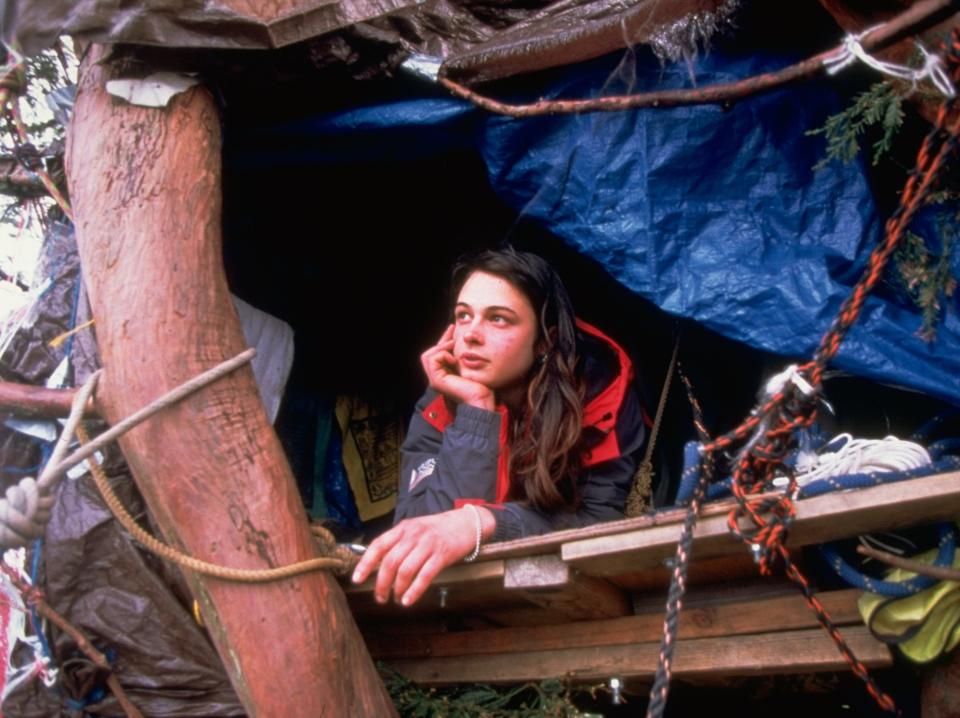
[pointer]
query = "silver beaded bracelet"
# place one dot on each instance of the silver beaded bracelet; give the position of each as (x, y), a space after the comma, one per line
(476, 515)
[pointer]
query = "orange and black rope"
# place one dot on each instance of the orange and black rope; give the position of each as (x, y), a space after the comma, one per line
(678, 579)
(769, 431)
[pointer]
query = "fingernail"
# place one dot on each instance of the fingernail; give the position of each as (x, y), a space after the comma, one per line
(406, 601)
(356, 577)
(381, 599)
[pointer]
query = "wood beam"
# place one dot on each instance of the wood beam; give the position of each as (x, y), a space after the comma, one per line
(802, 651)
(548, 582)
(145, 185)
(708, 620)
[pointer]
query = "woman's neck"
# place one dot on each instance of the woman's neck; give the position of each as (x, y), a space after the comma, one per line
(513, 397)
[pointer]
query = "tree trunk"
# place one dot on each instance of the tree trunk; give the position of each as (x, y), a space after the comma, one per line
(145, 186)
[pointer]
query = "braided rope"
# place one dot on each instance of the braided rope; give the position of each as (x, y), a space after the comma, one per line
(167, 400)
(792, 405)
(341, 559)
(883, 700)
(643, 479)
(678, 580)
(25, 510)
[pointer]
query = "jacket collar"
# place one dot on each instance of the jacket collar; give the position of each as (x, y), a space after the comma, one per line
(600, 412)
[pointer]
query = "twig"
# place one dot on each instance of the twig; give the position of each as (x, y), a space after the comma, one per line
(945, 573)
(918, 17)
(32, 595)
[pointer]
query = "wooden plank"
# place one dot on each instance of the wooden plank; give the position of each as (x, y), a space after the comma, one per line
(804, 651)
(145, 187)
(551, 542)
(548, 582)
(822, 518)
(465, 573)
(702, 571)
(705, 621)
(460, 589)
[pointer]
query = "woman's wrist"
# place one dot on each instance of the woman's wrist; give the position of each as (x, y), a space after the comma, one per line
(484, 401)
(484, 525)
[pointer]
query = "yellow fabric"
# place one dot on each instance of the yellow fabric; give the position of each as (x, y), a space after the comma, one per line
(923, 626)
(372, 436)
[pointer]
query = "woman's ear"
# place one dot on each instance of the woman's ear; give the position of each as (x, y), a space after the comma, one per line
(546, 342)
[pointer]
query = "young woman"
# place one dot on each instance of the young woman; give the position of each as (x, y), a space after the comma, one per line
(529, 424)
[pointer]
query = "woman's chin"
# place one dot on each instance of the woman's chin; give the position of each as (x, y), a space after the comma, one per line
(477, 375)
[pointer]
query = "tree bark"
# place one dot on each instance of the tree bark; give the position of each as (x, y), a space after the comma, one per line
(146, 190)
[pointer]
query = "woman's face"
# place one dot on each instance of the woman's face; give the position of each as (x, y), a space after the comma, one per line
(495, 332)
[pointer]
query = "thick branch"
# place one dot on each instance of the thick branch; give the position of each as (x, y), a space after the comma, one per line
(37, 402)
(915, 19)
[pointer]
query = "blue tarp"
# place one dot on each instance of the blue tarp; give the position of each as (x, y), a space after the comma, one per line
(713, 214)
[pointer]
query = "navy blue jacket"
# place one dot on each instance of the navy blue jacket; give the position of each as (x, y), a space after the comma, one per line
(457, 455)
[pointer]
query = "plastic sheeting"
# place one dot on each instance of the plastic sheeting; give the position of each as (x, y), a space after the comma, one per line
(482, 39)
(128, 603)
(714, 214)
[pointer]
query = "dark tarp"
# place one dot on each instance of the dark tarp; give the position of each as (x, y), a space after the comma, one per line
(128, 603)
(713, 214)
(479, 39)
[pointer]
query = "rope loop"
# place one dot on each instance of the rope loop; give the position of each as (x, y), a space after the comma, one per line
(851, 50)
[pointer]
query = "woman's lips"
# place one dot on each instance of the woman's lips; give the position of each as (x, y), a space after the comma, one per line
(472, 361)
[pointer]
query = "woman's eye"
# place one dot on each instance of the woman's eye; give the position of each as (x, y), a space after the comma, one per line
(461, 316)
(497, 319)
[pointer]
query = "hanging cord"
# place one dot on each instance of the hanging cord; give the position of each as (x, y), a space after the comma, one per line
(681, 561)
(26, 509)
(791, 400)
(916, 18)
(852, 50)
(32, 597)
(339, 558)
(643, 479)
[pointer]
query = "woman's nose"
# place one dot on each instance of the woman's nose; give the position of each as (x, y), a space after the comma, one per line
(473, 335)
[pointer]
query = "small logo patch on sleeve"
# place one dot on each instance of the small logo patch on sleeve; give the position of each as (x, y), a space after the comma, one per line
(422, 472)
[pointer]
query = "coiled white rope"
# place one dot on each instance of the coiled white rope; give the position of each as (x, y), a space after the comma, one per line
(859, 456)
(852, 50)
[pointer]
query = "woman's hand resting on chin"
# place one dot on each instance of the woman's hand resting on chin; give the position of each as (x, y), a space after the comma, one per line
(440, 366)
(411, 554)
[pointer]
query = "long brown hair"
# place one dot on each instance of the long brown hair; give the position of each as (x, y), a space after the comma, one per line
(546, 453)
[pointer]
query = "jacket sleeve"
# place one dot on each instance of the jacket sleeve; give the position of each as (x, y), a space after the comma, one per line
(604, 491)
(438, 468)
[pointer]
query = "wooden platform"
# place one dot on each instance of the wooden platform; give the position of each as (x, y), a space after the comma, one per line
(589, 602)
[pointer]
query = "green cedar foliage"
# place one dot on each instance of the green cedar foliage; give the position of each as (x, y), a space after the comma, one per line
(925, 276)
(548, 699)
(880, 105)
